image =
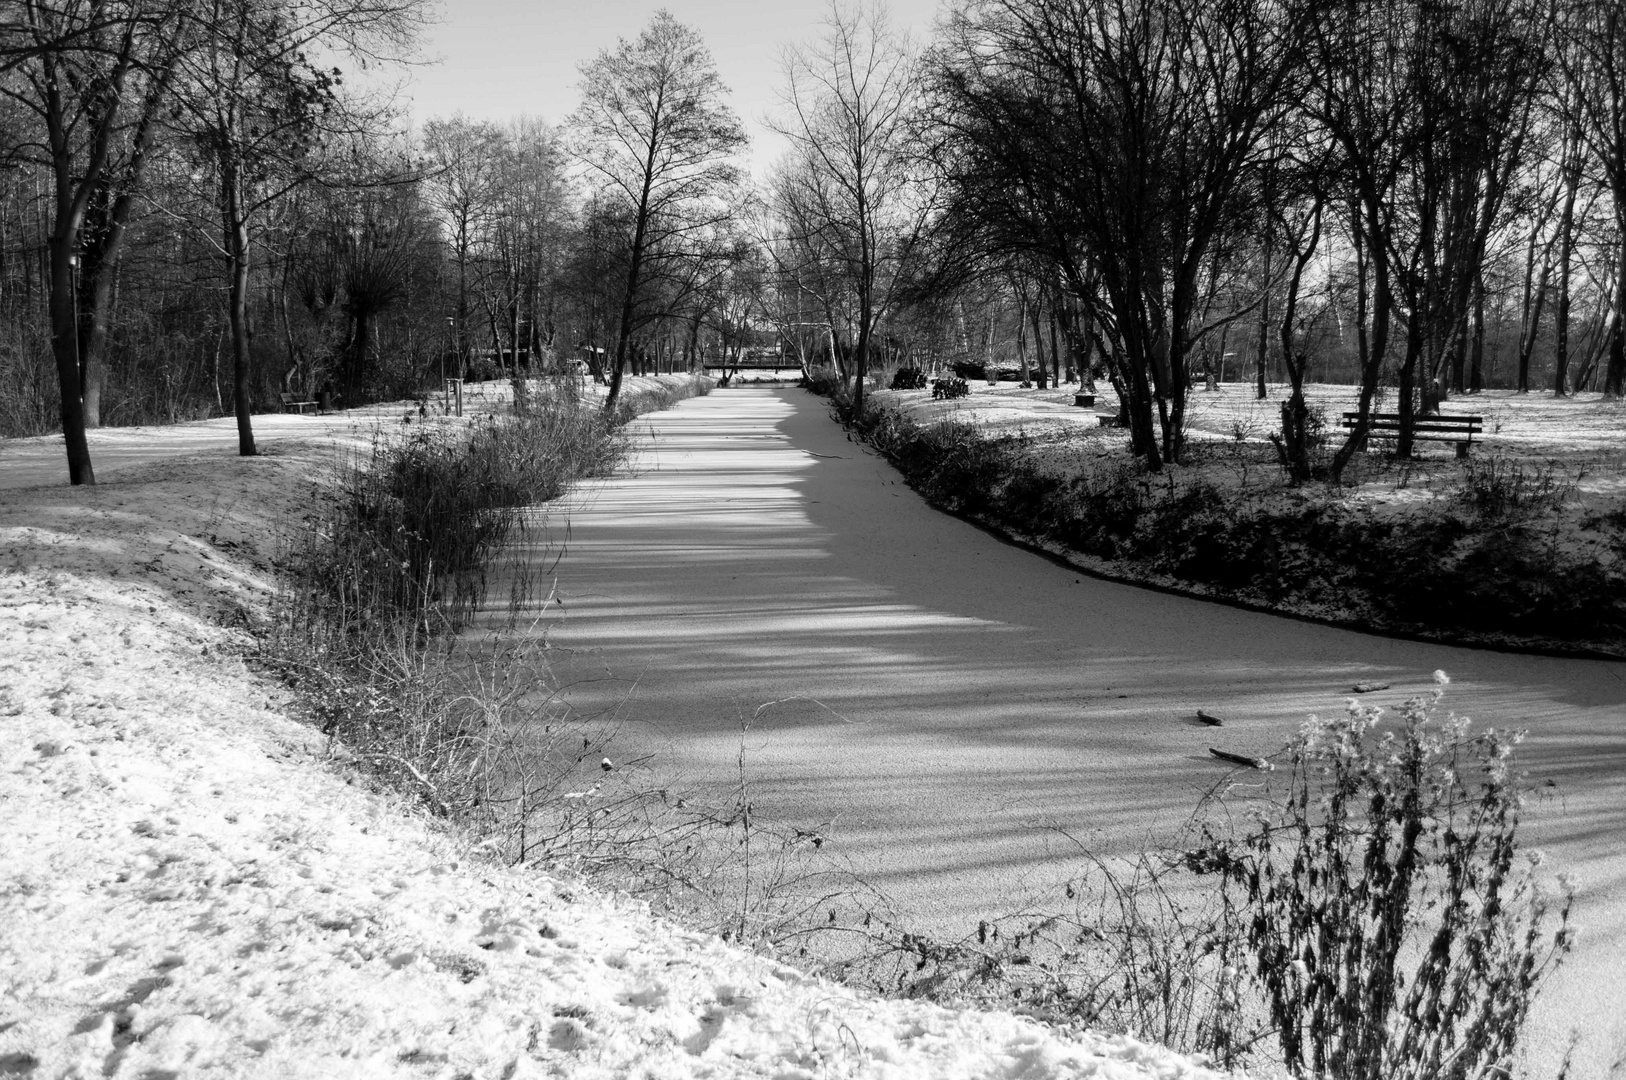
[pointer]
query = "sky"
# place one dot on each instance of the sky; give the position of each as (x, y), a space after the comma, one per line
(498, 59)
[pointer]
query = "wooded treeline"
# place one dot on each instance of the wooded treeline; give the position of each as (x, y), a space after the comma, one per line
(199, 213)
(1419, 197)
(200, 210)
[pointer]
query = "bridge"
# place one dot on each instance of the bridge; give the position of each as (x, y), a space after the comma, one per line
(761, 361)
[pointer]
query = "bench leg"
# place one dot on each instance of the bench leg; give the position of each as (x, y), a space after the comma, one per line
(1462, 449)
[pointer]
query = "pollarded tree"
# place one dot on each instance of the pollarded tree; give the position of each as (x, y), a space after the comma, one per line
(655, 133)
(848, 102)
(367, 245)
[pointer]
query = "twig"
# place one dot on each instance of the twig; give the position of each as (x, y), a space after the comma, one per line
(434, 793)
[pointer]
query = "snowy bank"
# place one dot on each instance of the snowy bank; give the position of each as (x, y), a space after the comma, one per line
(193, 886)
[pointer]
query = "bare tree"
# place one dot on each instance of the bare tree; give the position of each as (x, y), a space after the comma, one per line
(464, 157)
(655, 132)
(255, 106)
(848, 100)
(528, 234)
(1593, 52)
(1120, 139)
(811, 294)
(1429, 105)
(93, 74)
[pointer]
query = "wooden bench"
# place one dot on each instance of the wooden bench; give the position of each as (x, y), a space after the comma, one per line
(1428, 428)
(291, 403)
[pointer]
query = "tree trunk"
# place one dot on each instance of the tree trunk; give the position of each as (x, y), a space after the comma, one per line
(236, 241)
(1533, 306)
(94, 292)
(1371, 285)
(1566, 251)
(1294, 445)
(1138, 394)
(1055, 348)
(1459, 356)
(71, 199)
(1261, 355)
(1614, 381)
(1476, 362)
(861, 355)
(65, 349)
(635, 265)
(1408, 384)
(214, 371)
(1038, 347)
(360, 344)
(1022, 343)
(1084, 358)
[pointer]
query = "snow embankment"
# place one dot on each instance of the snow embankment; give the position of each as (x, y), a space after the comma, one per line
(190, 886)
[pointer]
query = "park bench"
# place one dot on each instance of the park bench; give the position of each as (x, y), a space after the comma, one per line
(1429, 428)
(292, 403)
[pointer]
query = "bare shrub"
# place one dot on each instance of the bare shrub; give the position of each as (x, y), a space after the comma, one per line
(29, 396)
(705, 858)
(1132, 947)
(1502, 488)
(908, 378)
(419, 521)
(635, 400)
(1378, 888)
(377, 582)
(823, 380)
(1374, 915)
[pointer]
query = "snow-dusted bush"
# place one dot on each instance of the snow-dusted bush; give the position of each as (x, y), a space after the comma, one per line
(1501, 489)
(416, 525)
(1393, 924)
(637, 399)
(823, 380)
(1122, 946)
(908, 378)
(1492, 572)
(470, 725)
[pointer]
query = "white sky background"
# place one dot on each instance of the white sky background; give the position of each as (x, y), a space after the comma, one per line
(499, 59)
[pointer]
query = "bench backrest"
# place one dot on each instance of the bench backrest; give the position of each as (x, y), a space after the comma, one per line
(1435, 419)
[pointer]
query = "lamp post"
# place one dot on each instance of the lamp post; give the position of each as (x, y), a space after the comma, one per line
(450, 337)
(78, 342)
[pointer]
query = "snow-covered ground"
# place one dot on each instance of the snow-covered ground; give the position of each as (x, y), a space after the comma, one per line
(192, 885)
(1582, 436)
(1514, 422)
